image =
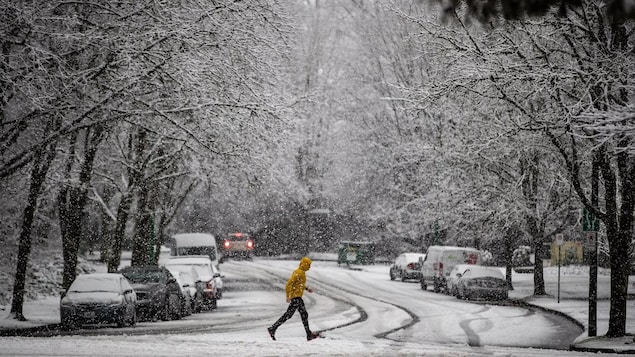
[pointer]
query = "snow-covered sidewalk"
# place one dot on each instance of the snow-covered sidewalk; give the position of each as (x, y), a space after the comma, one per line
(574, 294)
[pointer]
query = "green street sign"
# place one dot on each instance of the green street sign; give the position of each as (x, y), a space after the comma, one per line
(590, 223)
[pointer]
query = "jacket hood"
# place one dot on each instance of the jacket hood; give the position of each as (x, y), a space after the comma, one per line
(305, 263)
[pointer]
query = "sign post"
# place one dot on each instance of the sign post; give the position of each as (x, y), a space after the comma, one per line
(590, 226)
(559, 242)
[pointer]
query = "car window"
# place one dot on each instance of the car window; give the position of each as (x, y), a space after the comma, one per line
(143, 277)
(125, 285)
(197, 251)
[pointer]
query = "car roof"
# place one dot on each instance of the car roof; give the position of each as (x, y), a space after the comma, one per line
(194, 239)
(100, 276)
(184, 260)
(413, 256)
(141, 268)
(476, 271)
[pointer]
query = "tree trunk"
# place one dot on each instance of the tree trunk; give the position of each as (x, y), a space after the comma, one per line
(114, 252)
(508, 258)
(41, 164)
(136, 145)
(141, 241)
(620, 234)
(539, 279)
(71, 203)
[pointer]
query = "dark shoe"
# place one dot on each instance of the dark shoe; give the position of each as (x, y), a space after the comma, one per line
(272, 333)
(312, 336)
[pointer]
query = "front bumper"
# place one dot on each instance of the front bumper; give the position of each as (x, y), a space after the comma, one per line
(92, 314)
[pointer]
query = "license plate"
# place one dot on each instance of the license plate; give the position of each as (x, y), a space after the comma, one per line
(89, 314)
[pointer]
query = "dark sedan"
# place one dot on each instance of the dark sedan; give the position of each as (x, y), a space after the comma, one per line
(159, 296)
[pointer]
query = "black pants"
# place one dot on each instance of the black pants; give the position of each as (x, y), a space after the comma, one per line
(295, 304)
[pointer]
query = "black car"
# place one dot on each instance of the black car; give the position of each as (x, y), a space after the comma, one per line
(159, 295)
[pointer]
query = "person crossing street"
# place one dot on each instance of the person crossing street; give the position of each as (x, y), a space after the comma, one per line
(295, 287)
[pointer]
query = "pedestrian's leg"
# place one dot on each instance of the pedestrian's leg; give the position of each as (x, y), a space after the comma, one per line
(293, 305)
(305, 319)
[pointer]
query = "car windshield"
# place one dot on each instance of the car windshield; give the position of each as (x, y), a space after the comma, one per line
(197, 251)
(476, 272)
(95, 284)
(142, 277)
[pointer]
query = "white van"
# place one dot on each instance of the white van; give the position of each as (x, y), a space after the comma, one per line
(439, 261)
(194, 244)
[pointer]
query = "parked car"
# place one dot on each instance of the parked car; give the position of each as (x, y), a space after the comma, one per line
(211, 278)
(188, 280)
(482, 282)
(100, 298)
(186, 296)
(439, 261)
(454, 276)
(218, 281)
(406, 266)
(238, 245)
(158, 294)
(194, 244)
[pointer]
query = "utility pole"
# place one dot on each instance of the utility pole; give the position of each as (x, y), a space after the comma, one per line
(590, 226)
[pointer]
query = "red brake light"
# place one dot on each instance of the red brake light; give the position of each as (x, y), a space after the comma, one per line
(250, 244)
(226, 244)
(411, 266)
(238, 235)
(209, 285)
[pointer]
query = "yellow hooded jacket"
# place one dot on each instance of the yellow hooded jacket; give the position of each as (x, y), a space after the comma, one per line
(297, 282)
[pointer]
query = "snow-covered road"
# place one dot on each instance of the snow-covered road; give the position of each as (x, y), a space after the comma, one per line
(363, 313)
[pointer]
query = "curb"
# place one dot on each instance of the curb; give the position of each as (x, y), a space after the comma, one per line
(573, 347)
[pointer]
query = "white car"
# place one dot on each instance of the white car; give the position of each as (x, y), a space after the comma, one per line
(440, 260)
(480, 282)
(208, 275)
(454, 276)
(407, 266)
(187, 298)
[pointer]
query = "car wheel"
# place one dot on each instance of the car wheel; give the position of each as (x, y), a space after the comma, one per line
(392, 276)
(69, 324)
(123, 319)
(165, 311)
(436, 287)
(212, 304)
(423, 284)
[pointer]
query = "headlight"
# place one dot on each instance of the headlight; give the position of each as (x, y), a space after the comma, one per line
(118, 300)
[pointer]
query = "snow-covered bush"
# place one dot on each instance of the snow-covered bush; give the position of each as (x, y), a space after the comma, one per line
(521, 256)
(487, 258)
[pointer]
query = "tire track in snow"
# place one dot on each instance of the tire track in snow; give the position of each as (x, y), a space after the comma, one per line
(414, 319)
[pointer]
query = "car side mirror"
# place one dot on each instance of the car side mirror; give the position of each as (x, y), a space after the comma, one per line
(458, 275)
(186, 285)
(217, 275)
(129, 291)
(172, 280)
